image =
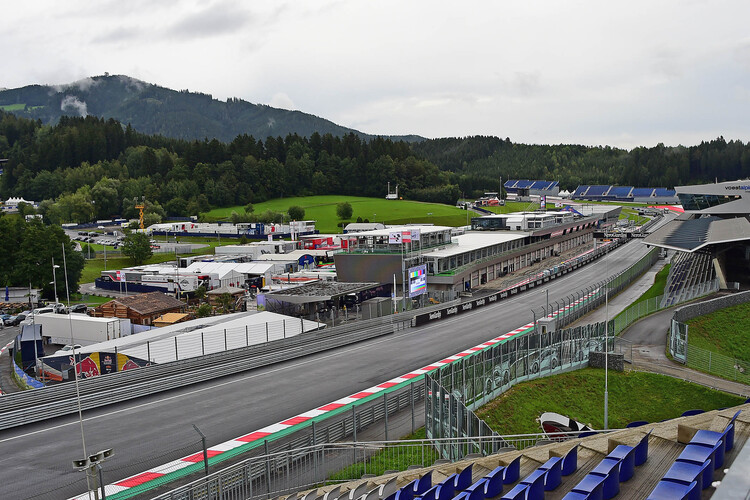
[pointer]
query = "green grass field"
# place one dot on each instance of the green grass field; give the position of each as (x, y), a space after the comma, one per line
(580, 395)
(724, 331)
(322, 209)
(13, 107)
(94, 267)
(660, 281)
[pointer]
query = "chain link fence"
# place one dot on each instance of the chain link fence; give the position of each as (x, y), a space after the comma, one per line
(649, 306)
(695, 357)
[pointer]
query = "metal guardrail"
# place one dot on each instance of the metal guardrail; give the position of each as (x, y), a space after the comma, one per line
(40, 404)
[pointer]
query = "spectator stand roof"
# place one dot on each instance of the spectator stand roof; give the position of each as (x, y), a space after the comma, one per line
(318, 291)
(513, 185)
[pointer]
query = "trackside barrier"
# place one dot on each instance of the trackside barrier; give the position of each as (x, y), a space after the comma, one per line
(455, 390)
(53, 401)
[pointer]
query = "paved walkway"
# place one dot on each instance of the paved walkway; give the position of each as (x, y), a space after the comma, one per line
(649, 338)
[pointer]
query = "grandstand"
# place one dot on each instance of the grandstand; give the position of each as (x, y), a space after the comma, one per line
(687, 271)
(699, 455)
(625, 194)
(524, 187)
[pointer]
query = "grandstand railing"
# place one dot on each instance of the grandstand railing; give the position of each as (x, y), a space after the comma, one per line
(300, 469)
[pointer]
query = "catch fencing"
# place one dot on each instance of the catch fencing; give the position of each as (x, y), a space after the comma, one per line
(649, 306)
(707, 361)
(455, 390)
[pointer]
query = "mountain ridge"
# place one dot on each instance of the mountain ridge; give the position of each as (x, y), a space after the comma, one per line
(179, 114)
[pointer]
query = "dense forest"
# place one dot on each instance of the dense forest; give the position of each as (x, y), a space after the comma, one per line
(481, 160)
(87, 168)
(90, 168)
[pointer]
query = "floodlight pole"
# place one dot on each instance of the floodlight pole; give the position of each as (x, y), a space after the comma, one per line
(75, 371)
(606, 347)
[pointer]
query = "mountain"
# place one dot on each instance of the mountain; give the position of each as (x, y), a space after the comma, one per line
(151, 109)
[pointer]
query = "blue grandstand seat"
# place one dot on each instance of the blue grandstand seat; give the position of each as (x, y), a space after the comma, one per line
(552, 469)
(530, 488)
(690, 413)
(637, 423)
(443, 491)
(493, 485)
(597, 191)
(512, 471)
(407, 492)
(422, 484)
(476, 494)
(686, 473)
(667, 490)
(580, 190)
(664, 193)
(489, 486)
(620, 192)
(640, 451)
(590, 487)
(568, 463)
(463, 479)
(724, 440)
(609, 470)
(642, 192)
(699, 455)
(430, 494)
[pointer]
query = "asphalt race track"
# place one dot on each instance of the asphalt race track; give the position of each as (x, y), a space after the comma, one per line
(35, 458)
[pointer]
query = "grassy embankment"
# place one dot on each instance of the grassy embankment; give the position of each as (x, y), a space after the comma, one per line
(579, 395)
(322, 209)
(724, 332)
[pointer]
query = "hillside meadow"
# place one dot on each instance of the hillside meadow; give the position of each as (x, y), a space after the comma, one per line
(323, 210)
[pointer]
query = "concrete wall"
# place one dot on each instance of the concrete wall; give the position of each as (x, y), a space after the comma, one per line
(706, 307)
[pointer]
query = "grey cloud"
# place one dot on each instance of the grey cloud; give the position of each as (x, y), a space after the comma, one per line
(525, 83)
(72, 103)
(218, 19)
(83, 84)
(118, 35)
(742, 55)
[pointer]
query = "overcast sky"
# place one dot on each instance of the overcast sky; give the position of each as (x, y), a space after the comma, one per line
(622, 73)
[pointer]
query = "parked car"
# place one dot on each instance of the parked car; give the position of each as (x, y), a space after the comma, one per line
(79, 308)
(16, 320)
(67, 349)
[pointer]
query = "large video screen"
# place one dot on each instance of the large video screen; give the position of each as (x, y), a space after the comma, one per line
(417, 280)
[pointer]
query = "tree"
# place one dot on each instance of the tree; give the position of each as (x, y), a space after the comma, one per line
(344, 210)
(137, 246)
(296, 212)
(249, 208)
(204, 310)
(225, 301)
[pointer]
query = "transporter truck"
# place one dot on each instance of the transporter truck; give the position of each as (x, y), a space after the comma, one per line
(85, 330)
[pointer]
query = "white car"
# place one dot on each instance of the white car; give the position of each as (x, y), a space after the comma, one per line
(68, 349)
